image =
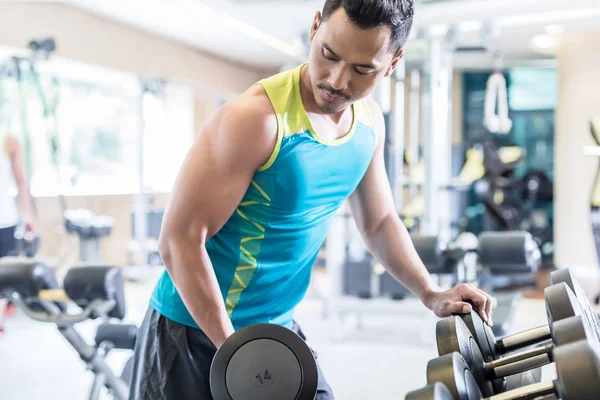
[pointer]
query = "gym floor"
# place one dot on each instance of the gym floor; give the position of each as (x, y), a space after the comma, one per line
(385, 359)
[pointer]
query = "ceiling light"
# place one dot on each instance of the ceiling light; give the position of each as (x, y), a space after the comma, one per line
(543, 41)
(246, 29)
(258, 34)
(547, 17)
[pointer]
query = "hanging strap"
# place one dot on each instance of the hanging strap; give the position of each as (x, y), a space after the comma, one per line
(496, 95)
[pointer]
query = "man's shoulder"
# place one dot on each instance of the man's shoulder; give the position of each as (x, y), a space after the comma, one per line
(253, 105)
(251, 109)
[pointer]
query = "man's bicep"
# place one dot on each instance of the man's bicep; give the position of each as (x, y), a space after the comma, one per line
(216, 173)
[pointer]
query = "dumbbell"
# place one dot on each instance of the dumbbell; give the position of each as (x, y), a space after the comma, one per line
(577, 370)
(434, 391)
(266, 362)
(566, 276)
(454, 336)
(492, 348)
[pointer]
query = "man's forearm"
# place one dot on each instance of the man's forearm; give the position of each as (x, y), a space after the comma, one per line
(392, 246)
(192, 272)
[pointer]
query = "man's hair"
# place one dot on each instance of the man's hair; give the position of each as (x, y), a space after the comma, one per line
(373, 14)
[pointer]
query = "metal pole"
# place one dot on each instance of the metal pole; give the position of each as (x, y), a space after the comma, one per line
(415, 99)
(397, 150)
(436, 137)
(141, 214)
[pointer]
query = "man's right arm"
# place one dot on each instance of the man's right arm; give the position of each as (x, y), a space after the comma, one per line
(211, 183)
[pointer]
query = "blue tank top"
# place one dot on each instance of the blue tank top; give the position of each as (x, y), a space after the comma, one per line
(264, 253)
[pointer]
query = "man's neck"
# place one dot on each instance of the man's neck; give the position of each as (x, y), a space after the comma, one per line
(308, 98)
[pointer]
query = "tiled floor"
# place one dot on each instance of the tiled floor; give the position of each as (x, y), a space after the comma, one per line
(383, 360)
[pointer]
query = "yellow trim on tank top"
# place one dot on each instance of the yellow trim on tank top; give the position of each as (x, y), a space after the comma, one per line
(318, 138)
(292, 117)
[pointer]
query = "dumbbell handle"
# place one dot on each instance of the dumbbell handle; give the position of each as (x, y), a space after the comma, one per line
(520, 362)
(529, 392)
(524, 339)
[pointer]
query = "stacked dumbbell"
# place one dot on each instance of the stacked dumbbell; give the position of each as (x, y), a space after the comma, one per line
(473, 364)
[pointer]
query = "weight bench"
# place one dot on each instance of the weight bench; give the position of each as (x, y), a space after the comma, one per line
(98, 293)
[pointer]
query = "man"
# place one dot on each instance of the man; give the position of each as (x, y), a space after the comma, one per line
(11, 171)
(256, 193)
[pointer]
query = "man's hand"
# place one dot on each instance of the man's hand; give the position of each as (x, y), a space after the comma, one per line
(459, 300)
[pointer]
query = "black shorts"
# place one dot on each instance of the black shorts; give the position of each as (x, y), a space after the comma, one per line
(172, 362)
(8, 243)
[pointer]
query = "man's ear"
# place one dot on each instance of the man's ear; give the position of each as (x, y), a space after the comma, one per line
(315, 25)
(394, 63)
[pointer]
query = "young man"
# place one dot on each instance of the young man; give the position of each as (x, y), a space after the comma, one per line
(256, 193)
(11, 170)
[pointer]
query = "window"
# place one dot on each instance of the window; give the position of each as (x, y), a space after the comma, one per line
(97, 119)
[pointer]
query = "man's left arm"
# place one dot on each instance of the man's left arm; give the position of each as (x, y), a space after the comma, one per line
(390, 243)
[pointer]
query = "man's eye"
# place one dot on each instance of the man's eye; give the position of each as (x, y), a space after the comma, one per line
(327, 54)
(363, 71)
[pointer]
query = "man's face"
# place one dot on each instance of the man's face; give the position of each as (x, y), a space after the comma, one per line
(345, 62)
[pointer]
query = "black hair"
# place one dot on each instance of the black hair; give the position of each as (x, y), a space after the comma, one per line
(373, 14)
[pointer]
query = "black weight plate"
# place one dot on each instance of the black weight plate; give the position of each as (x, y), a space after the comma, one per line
(561, 303)
(275, 374)
(452, 335)
(578, 371)
(566, 276)
(453, 371)
(264, 361)
(435, 391)
(483, 335)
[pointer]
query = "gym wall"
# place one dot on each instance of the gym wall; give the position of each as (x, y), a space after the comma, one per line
(578, 101)
(98, 41)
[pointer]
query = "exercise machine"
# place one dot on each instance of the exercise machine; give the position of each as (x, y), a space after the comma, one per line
(90, 229)
(96, 292)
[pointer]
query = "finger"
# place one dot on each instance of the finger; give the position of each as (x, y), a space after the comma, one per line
(476, 296)
(458, 307)
(490, 305)
(469, 292)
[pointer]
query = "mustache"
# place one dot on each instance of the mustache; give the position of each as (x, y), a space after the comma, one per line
(333, 92)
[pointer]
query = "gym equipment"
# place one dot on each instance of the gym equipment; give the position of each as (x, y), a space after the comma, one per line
(566, 276)
(28, 244)
(496, 94)
(90, 228)
(493, 348)
(98, 291)
(264, 362)
(566, 325)
(577, 369)
(595, 193)
(509, 202)
(434, 391)
(498, 253)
